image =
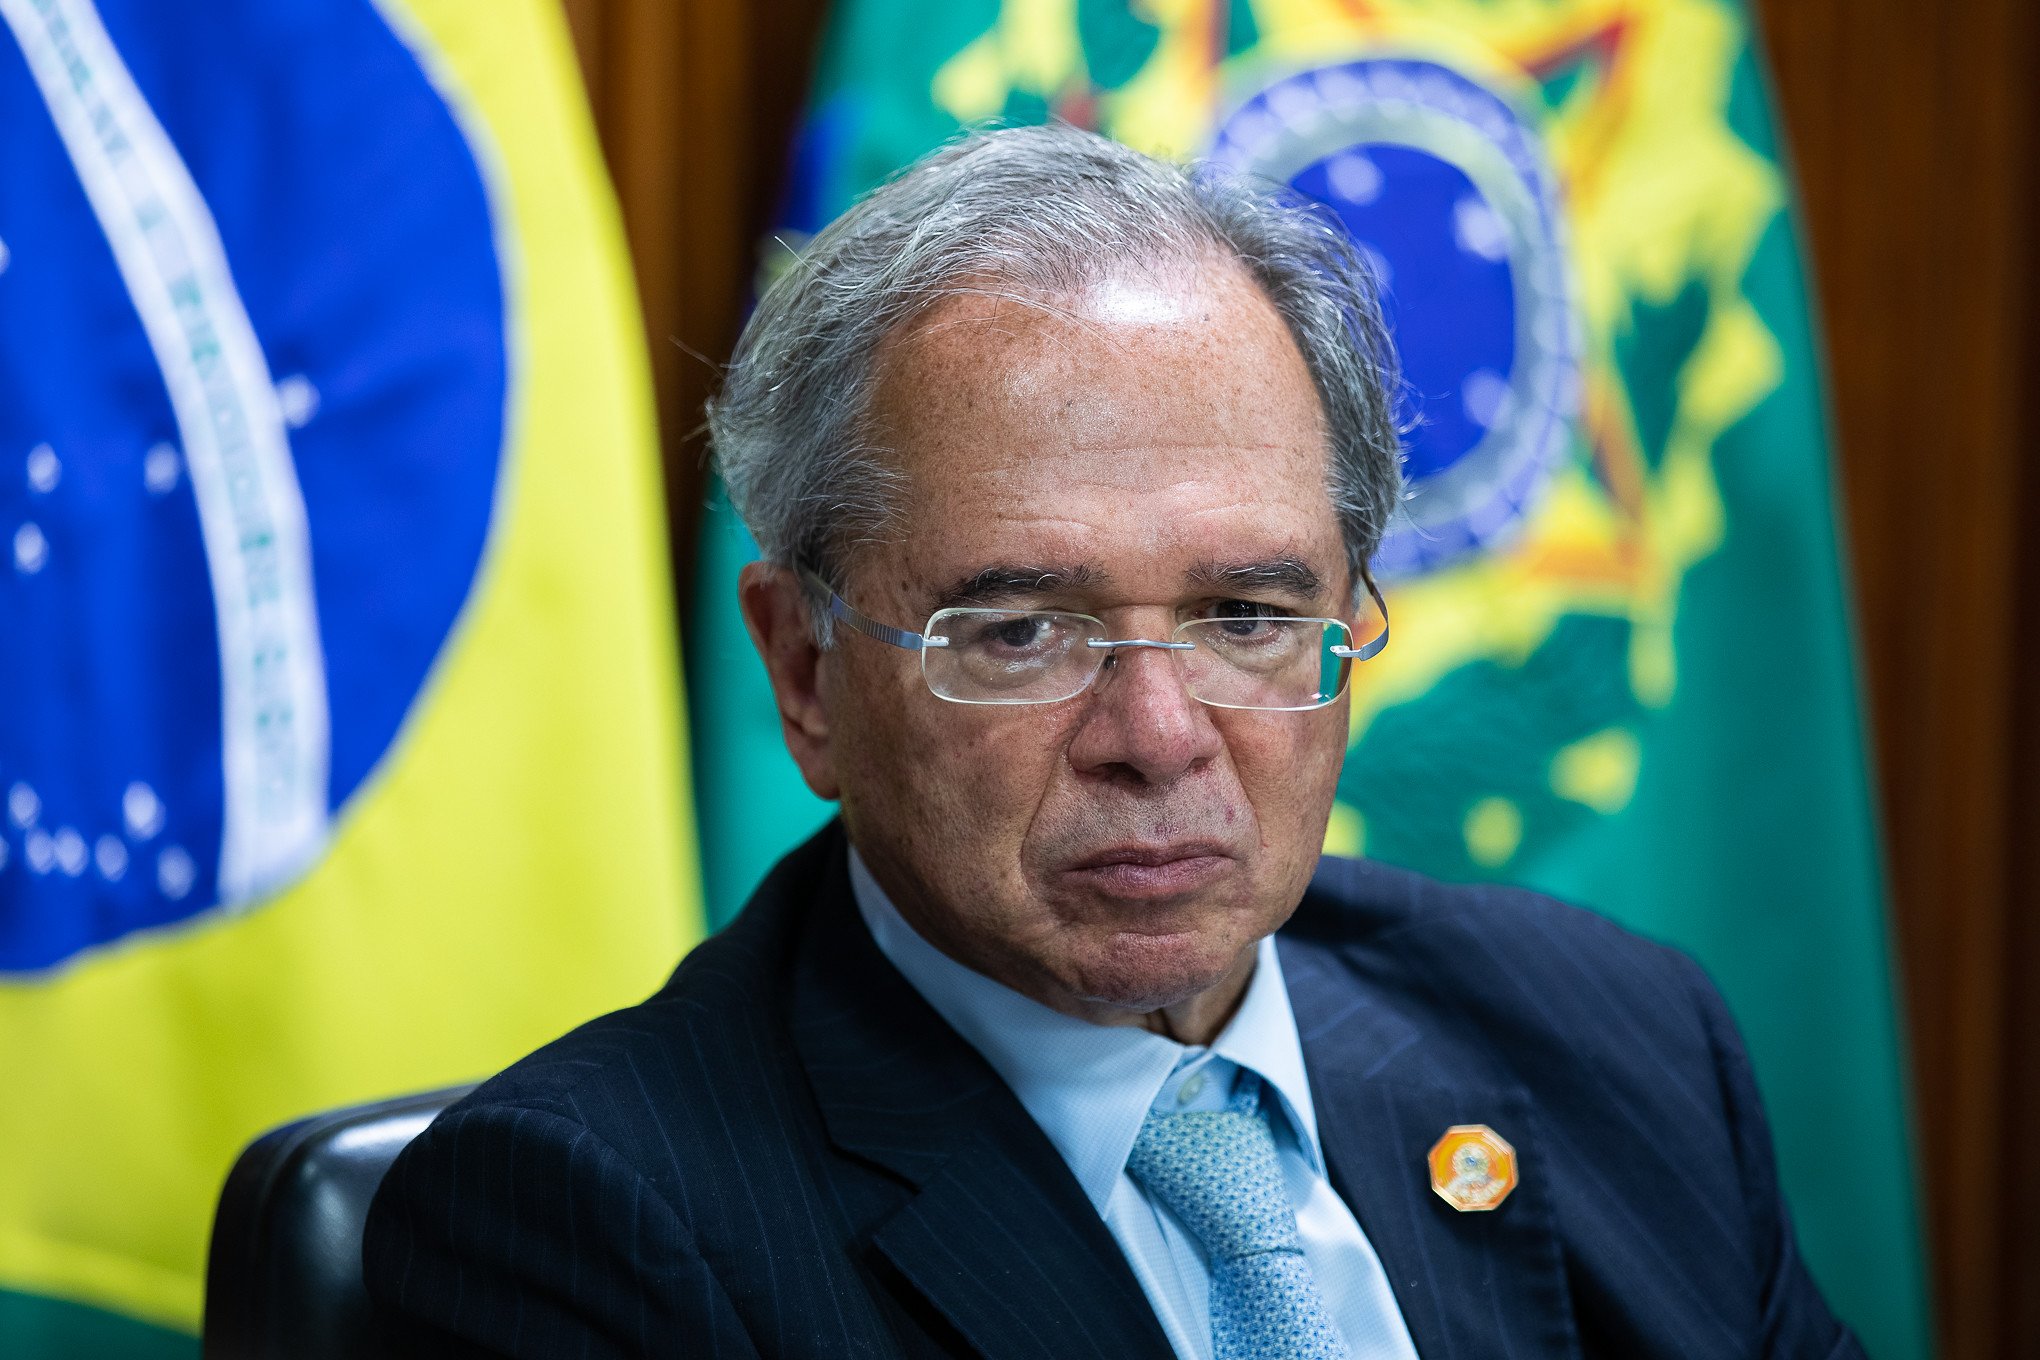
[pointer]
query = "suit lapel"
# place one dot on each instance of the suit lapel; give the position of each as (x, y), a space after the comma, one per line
(1020, 1267)
(994, 1231)
(1472, 1286)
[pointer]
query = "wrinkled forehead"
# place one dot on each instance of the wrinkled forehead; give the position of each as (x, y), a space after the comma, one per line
(1101, 418)
(1128, 361)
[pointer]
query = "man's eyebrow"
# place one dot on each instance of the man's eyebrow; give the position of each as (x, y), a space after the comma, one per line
(1285, 574)
(1004, 582)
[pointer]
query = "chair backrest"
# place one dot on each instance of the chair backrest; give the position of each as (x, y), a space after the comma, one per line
(284, 1276)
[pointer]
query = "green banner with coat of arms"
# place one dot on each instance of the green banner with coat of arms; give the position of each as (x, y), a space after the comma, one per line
(1622, 669)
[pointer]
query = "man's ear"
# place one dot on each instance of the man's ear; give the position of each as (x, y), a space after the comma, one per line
(776, 613)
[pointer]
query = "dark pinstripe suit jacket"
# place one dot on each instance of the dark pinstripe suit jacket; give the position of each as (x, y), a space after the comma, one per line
(786, 1152)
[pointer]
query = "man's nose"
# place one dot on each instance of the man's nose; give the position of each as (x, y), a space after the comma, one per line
(1142, 723)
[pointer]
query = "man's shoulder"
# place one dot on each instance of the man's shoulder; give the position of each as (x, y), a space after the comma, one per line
(1368, 905)
(713, 999)
(712, 1039)
(619, 1138)
(631, 1083)
(1498, 970)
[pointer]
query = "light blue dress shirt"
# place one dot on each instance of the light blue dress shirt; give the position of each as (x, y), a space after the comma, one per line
(1090, 1087)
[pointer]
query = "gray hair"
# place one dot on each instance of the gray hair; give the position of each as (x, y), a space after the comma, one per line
(1042, 211)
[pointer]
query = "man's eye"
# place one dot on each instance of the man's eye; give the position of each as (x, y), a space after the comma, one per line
(1020, 634)
(1248, 621)
(1246, 609)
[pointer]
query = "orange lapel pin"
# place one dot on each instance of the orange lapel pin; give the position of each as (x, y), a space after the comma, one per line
(1473, 1167)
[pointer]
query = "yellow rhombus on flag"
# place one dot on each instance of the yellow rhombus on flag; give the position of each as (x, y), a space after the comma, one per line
(340, 748)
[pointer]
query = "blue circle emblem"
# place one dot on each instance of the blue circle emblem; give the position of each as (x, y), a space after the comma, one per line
(1446, 190)
(252, 393)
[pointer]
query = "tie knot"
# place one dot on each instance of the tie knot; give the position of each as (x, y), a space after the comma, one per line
(1217, 1170)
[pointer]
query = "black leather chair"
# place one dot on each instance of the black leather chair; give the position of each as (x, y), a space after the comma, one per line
(283, 1281)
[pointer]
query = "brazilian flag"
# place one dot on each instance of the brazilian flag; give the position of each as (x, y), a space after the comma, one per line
(1622, 668)
(340, 748)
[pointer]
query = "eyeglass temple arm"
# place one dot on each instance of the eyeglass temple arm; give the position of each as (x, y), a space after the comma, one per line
(1370, 649)
(840, 608)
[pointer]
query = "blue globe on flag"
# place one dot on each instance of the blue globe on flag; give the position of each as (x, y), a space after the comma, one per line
(1446, 191)
(252, 393)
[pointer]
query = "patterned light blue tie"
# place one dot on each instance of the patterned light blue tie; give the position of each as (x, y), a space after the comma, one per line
(1217, 1170)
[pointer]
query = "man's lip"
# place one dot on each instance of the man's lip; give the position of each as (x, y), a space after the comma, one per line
(1151, 873)
(1151, 856)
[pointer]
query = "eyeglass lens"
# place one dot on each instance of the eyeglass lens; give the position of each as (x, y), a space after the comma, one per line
(995, 656)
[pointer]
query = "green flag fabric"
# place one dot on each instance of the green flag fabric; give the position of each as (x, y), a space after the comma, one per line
(1622, 669)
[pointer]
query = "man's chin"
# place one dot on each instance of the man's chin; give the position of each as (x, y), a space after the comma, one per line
(1143, 972)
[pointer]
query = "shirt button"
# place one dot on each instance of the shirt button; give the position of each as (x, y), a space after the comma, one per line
(1190, 1089)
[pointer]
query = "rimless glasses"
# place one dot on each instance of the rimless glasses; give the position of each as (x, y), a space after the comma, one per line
(1260, 660)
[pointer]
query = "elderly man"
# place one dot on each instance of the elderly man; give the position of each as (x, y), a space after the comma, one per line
(1063, 1041)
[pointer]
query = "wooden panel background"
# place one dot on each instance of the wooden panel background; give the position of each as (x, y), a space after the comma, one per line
(1915, 132)
(695, 101)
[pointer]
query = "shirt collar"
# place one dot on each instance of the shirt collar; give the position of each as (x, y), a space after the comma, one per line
(1089, 1086)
